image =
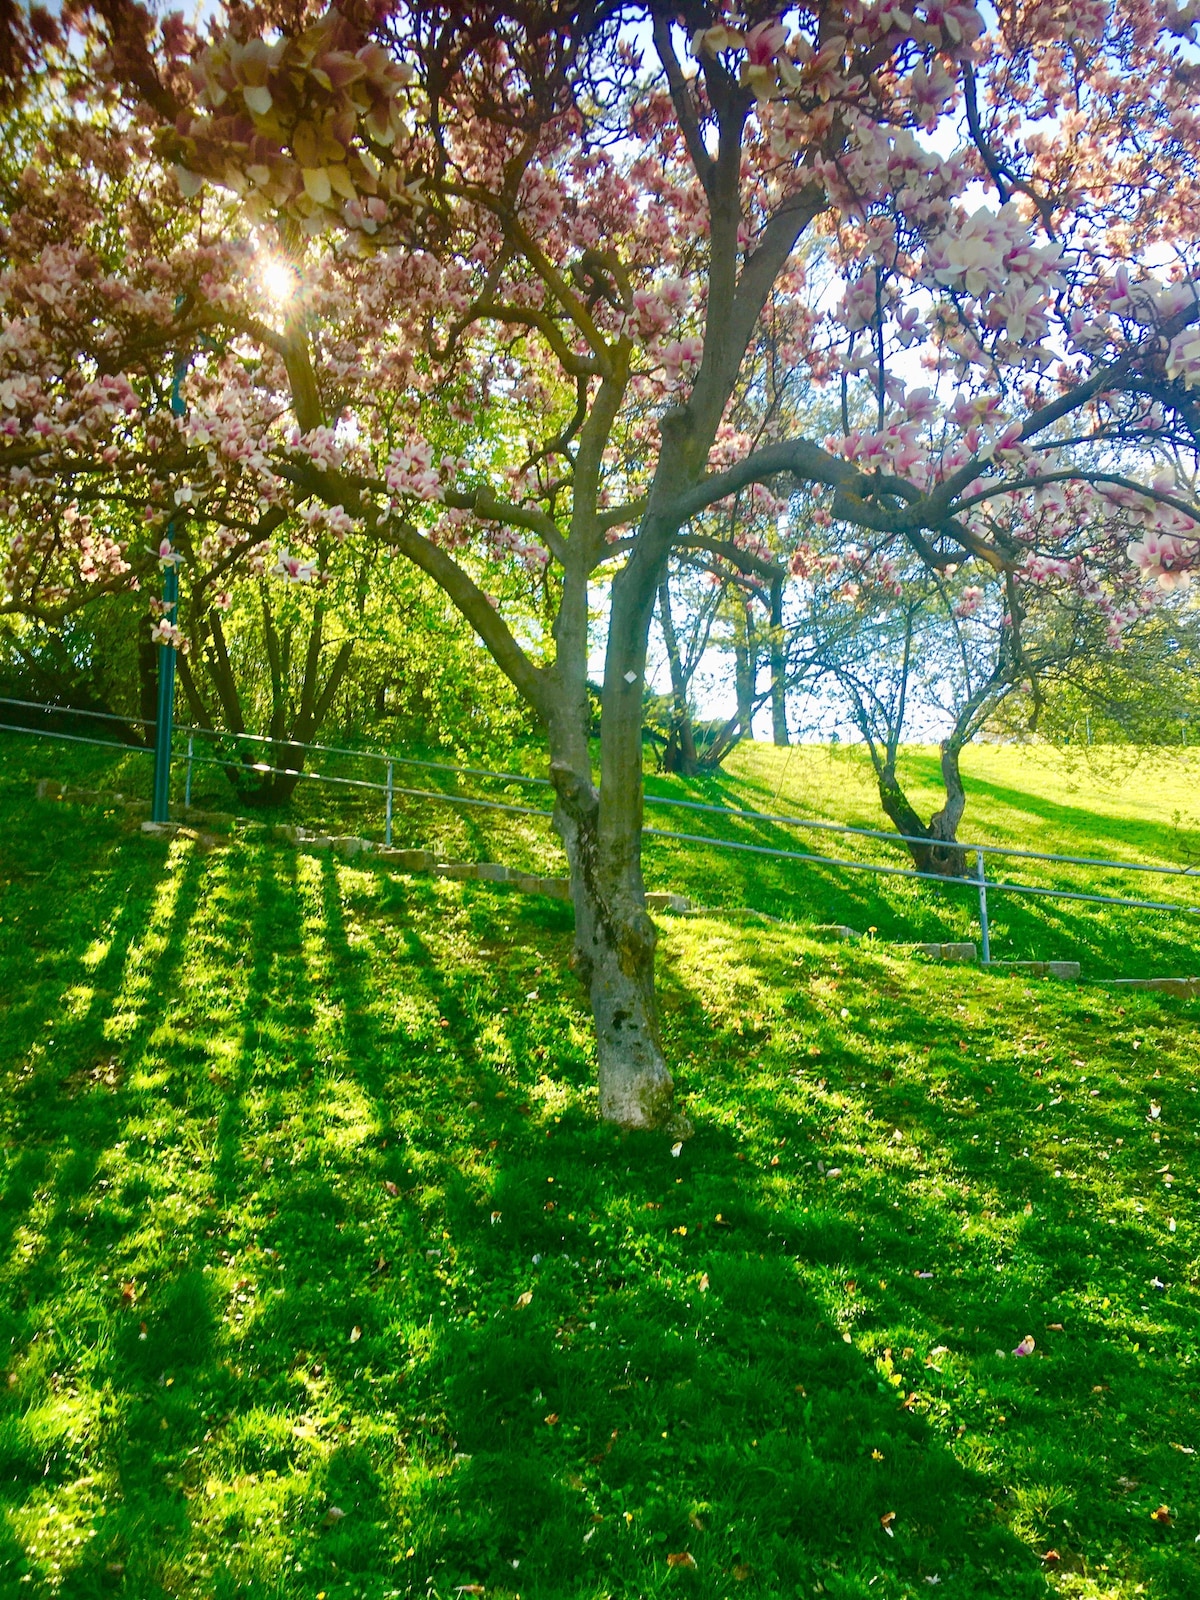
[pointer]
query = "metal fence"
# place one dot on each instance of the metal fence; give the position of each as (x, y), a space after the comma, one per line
(196, 756)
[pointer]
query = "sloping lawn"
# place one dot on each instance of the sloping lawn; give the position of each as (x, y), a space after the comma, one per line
(1084, 802)
(320, 1278)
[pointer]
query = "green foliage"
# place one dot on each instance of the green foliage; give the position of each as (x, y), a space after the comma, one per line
(308, 1213)
(420, 678)
(88, 660)
(1143, 695)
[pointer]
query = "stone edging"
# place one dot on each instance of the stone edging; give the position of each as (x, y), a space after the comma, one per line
(186, 818)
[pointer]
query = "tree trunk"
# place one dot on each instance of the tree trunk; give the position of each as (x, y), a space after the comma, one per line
(744, 665)
(614, 959)
(941, 855)
(779, 727)
(900, 813)
(943, 825)
(601, 830)
(273, 788)
(681, 752)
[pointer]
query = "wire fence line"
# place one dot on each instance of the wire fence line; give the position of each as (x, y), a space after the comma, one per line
(390, 789)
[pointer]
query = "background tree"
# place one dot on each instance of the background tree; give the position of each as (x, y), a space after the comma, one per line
(732, 606)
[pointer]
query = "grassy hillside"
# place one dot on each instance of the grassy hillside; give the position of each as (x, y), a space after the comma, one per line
(321, 1280)
(1097, 803)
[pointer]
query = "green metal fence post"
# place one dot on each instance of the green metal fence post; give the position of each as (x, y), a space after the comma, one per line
(164, 722)
(160, 804)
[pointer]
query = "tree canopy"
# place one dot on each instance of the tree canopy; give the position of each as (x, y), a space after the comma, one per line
(501, 288)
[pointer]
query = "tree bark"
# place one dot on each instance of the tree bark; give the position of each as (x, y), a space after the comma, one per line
(614, 959)
(943, 825)
(681, 752)
(602, 835)
(744, 665)
(942, 854)
(779, 727)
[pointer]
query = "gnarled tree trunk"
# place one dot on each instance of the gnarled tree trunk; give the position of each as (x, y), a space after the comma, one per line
(614, 959)
(943, 825)
(941, 854)
(601, 831)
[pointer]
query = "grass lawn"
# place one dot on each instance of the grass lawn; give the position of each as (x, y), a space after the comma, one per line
(320, 1278)
(1078, 802)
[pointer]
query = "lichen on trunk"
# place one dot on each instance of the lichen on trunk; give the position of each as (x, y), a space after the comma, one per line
(614, 959)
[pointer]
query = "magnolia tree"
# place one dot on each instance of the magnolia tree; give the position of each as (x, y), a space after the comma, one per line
(723, 595)
(582, 215)
(904, 654)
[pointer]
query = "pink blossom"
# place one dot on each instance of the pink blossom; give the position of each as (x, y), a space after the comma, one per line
(293, 568)
(163, 632)
(681, 357)
(167, 555)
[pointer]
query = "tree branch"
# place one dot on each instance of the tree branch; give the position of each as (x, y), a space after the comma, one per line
(473, 604)
(681, 99)
(486, 506)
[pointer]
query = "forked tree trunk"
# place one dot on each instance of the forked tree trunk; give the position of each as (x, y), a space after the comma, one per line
(943, 825)
(942, 854)
(600, 826)
(287, 749)
(268, 789)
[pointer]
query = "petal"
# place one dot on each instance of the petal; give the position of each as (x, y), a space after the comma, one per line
(316, 184)
(258, 100)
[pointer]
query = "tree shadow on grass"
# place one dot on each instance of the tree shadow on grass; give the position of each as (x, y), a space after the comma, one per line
(689, 1398)
(1130, 837)
(533, 1394)
(579, 1433)
(76, 1108)
(382, 1192)
(984, 1230)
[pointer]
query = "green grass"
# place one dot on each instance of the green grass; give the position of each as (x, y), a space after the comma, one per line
(1079, 802)
(288, 1144)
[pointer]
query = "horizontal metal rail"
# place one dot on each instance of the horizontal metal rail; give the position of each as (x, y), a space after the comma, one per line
(76, 738)
(911, 872)
(979, 882)
(195, 731)
(365, 783)
(72, 711)
(365, 755)
(887, 835)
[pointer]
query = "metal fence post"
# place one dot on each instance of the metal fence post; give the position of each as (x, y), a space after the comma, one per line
(387, 832)
(160, 802)
(187, 787)
(984, 939)
(160, 795)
